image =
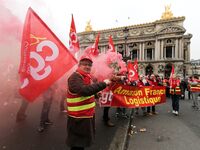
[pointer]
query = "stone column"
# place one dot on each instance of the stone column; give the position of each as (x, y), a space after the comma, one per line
(143, 51)
(161, 48)
(156, 52)
(140, 51)
(188, 50)
(176, 49)
(181, 48)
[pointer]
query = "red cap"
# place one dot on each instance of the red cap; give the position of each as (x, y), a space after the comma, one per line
(86, 57)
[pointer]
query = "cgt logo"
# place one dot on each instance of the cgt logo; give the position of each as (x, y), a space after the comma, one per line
(40, 61)
(131, 73)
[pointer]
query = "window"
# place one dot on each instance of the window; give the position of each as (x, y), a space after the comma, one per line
(134, 54)
(149, 54)
(169, 41)
(149, 43)
(169, 52)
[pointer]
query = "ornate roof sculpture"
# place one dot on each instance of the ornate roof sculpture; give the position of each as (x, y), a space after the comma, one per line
(168, 13)
(88, 27)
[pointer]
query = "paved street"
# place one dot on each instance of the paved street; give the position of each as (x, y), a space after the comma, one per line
(24, 135)
(166, 131)
(163, 131)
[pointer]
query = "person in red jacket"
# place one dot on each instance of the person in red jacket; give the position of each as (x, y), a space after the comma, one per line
(81, 105)
(175, 92)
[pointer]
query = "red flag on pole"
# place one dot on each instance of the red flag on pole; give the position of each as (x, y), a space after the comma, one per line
(44, 59)
(171, 78)
(73, 39)
(111, 45)
(132, 71)
(93, 50)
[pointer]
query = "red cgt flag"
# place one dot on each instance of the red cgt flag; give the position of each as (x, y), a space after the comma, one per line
(93, 50)
(73, 39)
(171, 78)
(132, 71)
(111, 45)
(44, 59)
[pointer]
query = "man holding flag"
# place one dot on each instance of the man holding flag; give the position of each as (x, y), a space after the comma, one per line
(175, 91)
(81, 105)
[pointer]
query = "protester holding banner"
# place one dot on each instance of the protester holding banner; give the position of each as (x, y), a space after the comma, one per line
(81, 105)
(106, 117)
(195, 90)
(141, 84)
(121, 111)
(152, 82)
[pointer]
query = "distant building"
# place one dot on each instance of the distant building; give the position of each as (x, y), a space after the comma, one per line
(195, 67)
(156, 45)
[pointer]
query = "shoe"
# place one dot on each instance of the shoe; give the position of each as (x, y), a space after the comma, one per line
(154, 113)
(64, 111)
(40, 129)
(194, 106)
(173, 111)
(48, 122)
(117, 115)
(144, 113)
(137, 113)
(125, 116)
(176, 113)
(149, 113)
(109, 124)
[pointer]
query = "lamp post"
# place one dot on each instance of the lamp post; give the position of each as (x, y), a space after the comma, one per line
(195, 68)
(126, 30)
(184, 71)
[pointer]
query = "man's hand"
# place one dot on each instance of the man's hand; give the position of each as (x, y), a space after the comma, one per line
(107, 81)
(118, 78)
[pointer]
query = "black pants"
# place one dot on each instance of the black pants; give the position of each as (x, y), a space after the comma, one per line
(189, 93)
(151, 108)
(62, 104)
(23, 107)
(105, 114)
(77, 148)
(175, 102)
(45, 111)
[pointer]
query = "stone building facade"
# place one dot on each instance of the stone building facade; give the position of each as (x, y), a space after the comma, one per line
(156, 45)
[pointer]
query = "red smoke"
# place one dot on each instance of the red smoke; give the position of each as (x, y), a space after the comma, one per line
(10, 39)
(10, 25)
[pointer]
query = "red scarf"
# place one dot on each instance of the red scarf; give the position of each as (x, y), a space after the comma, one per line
(86, 76)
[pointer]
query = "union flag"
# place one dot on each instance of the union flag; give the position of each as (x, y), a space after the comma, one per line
(44, 59)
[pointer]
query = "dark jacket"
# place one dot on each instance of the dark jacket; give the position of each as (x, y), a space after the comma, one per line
(81, 131)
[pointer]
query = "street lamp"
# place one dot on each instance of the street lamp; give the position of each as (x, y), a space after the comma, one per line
(126, 31)
(184, 71)
(195, 68)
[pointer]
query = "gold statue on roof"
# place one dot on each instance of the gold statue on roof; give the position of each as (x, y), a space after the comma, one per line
(168, 13)
(88, 26)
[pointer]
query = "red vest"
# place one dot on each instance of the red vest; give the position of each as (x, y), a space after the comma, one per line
(195, 88)
(165, 82)
(175, 91)
(80, 106)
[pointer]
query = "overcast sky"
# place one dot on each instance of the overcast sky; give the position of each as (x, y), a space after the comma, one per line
(106, 14)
